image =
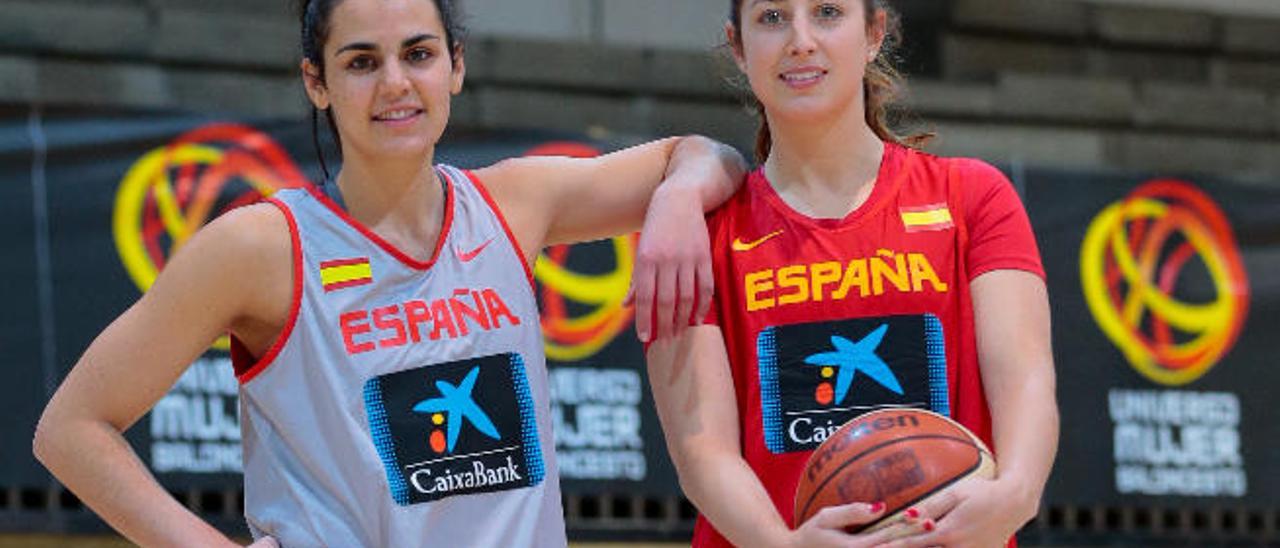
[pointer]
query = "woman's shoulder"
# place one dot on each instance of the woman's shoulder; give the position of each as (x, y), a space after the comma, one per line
(964, 167)
(977, 171)
(237, 266)
(518, 171)
(978, 185)
(984, 191)
(250, 233)
(973, 175)
(256, 221)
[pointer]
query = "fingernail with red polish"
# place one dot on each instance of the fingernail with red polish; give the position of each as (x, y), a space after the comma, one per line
(928, 525)
(877, 508)
(913, 513)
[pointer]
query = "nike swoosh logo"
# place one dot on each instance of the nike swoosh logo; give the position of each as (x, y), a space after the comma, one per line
(469, 256)
(739, 245)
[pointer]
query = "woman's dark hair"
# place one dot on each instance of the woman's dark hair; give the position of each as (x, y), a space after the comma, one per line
(316, 17)
(882, 84)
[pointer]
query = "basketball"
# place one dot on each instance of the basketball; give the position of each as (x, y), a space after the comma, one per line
(896, 456)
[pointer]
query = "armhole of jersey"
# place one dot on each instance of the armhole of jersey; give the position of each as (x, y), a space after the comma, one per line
(511, 237)
(295, 304)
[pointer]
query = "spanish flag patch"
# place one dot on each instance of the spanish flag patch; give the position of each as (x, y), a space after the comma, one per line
(343, 273)
(927, 217)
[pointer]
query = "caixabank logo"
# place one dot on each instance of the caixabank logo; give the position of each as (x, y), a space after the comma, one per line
(455, 428)
(1134, 266)
(814, 377)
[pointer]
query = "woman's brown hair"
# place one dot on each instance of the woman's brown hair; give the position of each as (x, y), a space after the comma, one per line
(882, 85)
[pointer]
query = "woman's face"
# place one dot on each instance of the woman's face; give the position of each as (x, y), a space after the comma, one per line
(805, 59)
(388, 76)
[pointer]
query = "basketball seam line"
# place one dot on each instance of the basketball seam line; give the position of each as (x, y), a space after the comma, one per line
(847, 462)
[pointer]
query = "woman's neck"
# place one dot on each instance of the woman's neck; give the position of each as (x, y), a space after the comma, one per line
(824, 170)
(401, 201)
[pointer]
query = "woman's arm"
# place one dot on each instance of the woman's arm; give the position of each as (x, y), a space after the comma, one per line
(1011, 314)
(553, 200)
(235, 272)
(693, 392)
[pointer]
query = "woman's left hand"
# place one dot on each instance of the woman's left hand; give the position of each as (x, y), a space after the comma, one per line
(672, 284)
(975, 513)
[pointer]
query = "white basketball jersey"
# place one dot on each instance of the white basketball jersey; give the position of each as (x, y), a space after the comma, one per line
(405, 403)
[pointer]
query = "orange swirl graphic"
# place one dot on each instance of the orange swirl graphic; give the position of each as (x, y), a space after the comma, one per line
(173, 190)
(1133, 255)
(567, 337)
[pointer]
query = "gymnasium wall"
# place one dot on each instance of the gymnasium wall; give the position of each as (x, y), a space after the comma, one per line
(1066, 83)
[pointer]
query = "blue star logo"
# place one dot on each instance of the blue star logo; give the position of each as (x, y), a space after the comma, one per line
(457, 404)
(850, 358)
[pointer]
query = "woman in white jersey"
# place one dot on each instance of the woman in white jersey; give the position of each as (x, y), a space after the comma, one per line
(393, 385)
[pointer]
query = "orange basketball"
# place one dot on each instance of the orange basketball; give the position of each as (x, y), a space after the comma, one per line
(896, 456)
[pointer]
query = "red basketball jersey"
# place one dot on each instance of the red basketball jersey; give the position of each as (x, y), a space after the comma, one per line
(826, 319)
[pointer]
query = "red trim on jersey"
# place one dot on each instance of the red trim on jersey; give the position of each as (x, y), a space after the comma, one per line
(385, 245)
(348, 283)
(344, 262)
(295, 304)
(511, 237)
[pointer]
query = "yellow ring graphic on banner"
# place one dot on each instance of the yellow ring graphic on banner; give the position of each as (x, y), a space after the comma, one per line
(150, 174)
(203, 170)
(580, 337)
(1130, 245)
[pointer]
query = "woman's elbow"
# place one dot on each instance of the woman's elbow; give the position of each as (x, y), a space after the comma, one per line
(42, 442)
(54, 431)
(690, 486)
(693, 470)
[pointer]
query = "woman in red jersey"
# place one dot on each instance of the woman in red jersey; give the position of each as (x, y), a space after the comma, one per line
(854, 272)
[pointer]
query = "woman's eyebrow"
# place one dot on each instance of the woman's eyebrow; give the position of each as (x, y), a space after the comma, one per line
(369, 46)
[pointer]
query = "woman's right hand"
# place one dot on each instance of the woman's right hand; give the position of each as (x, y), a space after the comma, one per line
(265, 542)
(829, 527)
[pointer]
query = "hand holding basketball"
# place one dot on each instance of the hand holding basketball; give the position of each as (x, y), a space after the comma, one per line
(830, 526)
(974, 513)
(899, 456)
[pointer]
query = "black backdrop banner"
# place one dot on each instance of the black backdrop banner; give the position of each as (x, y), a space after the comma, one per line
(1164, 317)
(1165, 309)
